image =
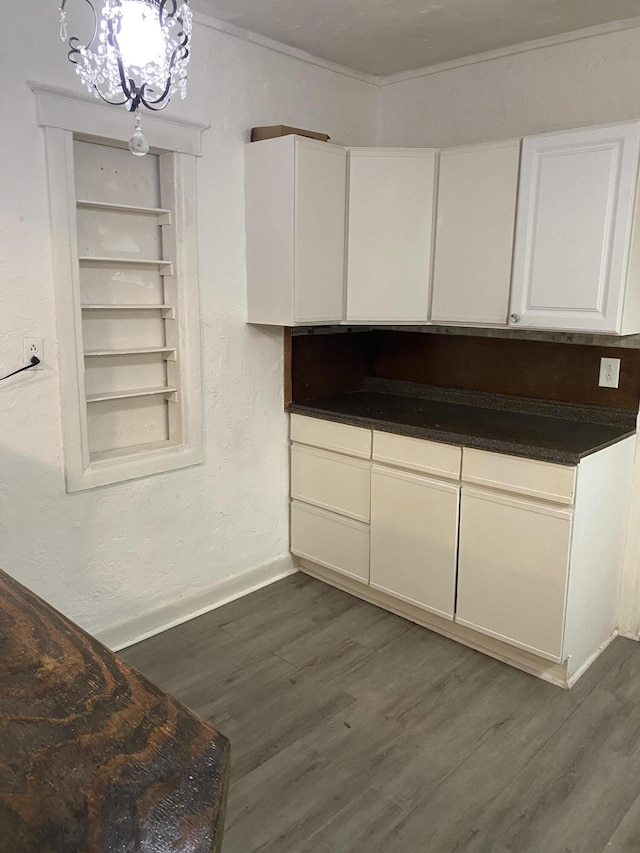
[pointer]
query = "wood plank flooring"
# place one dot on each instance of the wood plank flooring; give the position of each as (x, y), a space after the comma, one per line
(355, 731)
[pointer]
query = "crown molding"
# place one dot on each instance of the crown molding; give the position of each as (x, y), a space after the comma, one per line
(225, 28)
(514, 50)
(279, 47)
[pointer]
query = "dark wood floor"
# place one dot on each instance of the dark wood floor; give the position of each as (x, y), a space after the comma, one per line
(354, 731)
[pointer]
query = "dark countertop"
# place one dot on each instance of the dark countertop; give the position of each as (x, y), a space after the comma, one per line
(534, 429)
(93, 757)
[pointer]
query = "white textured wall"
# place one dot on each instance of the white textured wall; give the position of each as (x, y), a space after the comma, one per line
(579, 83)
(116, 554)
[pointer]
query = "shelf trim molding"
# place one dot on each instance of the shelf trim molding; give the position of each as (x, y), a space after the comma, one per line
(88, 117)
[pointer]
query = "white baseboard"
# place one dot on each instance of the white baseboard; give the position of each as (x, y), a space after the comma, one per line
(628, 635)
(554, 673)
(149, 624)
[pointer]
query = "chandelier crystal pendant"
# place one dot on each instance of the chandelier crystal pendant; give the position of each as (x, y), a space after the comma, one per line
(137, 56)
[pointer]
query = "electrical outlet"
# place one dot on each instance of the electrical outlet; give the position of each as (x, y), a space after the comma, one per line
(609, 372)
(34, 346)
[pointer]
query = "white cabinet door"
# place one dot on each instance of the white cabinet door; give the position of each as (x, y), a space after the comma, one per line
(390, 234)
(295, 203)
(320, 221)
(575, 215)
(331, 540)
(475, 224)
(414, 534)
(513, 570)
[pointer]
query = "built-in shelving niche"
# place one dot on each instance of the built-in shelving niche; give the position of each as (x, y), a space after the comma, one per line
(129, 307)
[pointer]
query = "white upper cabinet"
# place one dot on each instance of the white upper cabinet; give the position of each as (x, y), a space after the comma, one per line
(574, 251)
(295, 192)
(477, 193)
(390, 234)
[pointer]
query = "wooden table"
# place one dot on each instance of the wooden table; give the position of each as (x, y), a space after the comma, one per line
(93, 757)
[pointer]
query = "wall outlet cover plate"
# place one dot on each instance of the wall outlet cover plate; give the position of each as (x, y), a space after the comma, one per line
(34, 346)
(609, 373)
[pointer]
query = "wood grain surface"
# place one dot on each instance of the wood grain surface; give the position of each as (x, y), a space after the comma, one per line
(93, 757)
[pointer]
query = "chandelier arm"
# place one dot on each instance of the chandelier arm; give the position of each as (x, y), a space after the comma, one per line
(179, 52)
(74, 49)
(150, 104)
(173, 6)
(107, 101)
(128, 85)
(184, 39)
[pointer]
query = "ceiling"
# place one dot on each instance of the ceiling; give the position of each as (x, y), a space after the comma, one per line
(382, 37)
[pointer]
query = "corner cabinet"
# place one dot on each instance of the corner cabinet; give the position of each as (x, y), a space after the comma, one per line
(391, 201)
(516, 557)
(295, 194)
(577, 253)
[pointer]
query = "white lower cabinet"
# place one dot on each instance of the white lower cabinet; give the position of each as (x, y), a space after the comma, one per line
(331, 540)
(517, 557)
(331, 481)
(513, 570)
(331, 496)
(414, 537)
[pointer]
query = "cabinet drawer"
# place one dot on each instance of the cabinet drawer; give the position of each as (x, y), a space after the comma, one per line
(331, 540)
(354, 441)
(336, 483)
(428, 457)
(544, 480)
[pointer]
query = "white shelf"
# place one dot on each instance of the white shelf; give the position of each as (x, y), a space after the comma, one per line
(160, 212)
(167, 310)
(128, 395)
(92, 306)
(130, 351)
(134, 451)
(128, 262)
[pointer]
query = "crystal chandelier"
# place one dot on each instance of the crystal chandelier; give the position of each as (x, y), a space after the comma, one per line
(137, 56)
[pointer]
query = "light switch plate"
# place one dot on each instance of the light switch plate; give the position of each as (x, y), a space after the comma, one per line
(609, 373)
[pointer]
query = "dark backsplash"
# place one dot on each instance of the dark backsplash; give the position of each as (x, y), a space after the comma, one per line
(325, 365)
(322, 365)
